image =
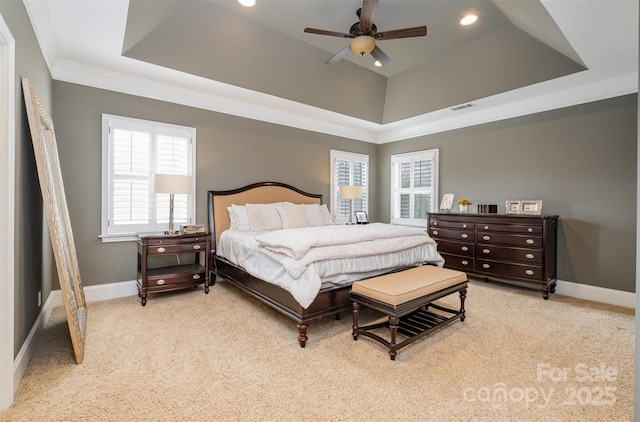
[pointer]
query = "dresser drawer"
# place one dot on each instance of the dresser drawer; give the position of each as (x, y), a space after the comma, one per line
(510, 239)
(455, 262)
(503, 253)
(177, 248)
(452, 224)
(456, 248)
(467, 235)
(531, 272)
(510, 228)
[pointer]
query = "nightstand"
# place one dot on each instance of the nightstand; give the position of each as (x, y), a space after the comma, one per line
(172, 262)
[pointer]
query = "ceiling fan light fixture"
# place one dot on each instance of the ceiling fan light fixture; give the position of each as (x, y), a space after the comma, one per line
(247, 3)
(363, 44)
(377, 63)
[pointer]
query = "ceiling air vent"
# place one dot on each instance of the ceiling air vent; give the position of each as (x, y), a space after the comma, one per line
(462, 107)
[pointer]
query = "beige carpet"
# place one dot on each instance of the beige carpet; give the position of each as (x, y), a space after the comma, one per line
(224, 356)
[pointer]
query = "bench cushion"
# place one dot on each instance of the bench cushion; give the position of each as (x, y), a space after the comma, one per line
(403, 286)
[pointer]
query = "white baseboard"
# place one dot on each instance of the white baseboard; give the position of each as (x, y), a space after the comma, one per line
(596, 294)
(91, 294)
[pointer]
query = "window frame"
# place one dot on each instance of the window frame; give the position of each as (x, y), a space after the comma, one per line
(109, 122)
(412, 157)
(336, 155)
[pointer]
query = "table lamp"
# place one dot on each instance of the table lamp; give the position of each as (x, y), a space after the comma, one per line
(172, 184)
(350, 193)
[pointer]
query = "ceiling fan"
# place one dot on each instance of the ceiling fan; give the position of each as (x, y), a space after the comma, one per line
(364, 34)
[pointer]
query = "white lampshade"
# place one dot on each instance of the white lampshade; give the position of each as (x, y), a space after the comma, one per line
(350, 192)
(363, 44)
(171, 183)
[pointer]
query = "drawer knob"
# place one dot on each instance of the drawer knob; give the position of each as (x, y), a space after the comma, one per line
(196, 246)
(530, 241)
(486, 237)
(435, 232)
(465, 262)
(486, 251)
(464, 226)
(435, 223)
(529, 272)
(161, 281)
(464, 248)
(161, 249)
(196, 276)
(464, 235)
(530, 256)
(486, 266)
(530, 230)
(486, 227)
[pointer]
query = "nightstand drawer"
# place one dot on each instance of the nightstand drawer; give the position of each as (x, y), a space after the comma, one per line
(176, 275)
(177, 248)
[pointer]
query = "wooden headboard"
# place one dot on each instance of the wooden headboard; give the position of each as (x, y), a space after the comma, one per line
(257, 193)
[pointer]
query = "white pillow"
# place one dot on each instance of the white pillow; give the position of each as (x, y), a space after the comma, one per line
(313, 215)
(263, 217)
(239, 218)
(326, 215)
(292, 216)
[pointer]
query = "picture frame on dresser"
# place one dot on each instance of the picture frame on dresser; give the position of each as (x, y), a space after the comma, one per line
(512, 207)
(530, 207)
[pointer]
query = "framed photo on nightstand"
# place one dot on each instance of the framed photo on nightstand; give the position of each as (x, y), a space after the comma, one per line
(361, 217)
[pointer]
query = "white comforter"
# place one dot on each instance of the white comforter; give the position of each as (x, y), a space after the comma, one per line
(303, 260)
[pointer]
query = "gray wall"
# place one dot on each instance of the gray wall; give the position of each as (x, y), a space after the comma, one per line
(34, 265)
(231, 152)
(581, 161)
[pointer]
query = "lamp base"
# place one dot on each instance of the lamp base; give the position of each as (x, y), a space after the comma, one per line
(172, 232)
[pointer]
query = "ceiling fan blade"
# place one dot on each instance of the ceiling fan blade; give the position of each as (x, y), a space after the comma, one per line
(367, 13)
(324, 32)
(418, 31)
(380, 56)
(336, 57)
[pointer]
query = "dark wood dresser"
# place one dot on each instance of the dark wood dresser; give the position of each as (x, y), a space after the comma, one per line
(507, 248)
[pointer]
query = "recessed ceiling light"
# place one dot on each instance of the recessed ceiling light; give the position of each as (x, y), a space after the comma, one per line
(247, 3)
(468, 20)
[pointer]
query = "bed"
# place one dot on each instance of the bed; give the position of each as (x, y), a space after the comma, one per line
(324, 292)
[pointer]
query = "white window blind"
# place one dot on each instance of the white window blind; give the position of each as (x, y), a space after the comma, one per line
(348, 169)
(414, 187)
(133, 151)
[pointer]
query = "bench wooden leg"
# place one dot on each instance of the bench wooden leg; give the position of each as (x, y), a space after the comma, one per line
(463, 295)
(356, 307)
(393, 326)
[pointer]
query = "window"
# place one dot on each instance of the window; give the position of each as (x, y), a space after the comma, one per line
(414, 187)
(132, 152)
(348, 169)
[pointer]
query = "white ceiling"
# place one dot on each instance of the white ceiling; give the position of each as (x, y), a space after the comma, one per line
(82, 42)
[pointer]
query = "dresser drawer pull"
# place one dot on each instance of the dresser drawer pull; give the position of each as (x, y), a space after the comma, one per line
(464, 248)
(486, 227)
(435, 223)
(530, 241)
(196, 276)
(161, 249)
(465, 262)
(161, 281)
(196, 246)
(530, 230)
(464, 235)
(486, 251)
(486, 266)
(464, 226)
(530, 256)
(435, 232)
(486, 237)
(529, 272)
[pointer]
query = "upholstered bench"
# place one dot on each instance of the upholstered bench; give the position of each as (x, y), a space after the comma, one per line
(406, 298)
